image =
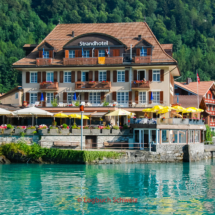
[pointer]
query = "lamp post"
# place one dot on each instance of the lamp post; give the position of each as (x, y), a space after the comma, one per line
(82, 111)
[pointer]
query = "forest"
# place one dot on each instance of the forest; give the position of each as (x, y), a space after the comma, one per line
(188, 24)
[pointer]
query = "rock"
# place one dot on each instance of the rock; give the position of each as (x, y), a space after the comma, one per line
(4, 160)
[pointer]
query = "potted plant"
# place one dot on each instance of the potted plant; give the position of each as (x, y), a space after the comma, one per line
(9, 129)
(77, 104)
(106, 130)
(43, 130)
(86, 130)
(53, 130)
(96, 130)
(105, 104)
(115, 130)
(64, 129)
(76, 130)
(25, 104)
(54, 103)
(30, 130)
(19, 129)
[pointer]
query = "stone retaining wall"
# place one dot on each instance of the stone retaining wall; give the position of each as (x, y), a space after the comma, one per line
(14, 139)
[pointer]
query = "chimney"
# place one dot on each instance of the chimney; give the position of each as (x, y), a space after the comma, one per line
(73, 34)
(189, 80)
(139, 37)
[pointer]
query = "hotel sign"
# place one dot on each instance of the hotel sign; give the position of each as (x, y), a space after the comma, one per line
(95, 43)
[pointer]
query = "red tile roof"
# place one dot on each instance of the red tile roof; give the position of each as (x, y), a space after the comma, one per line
(188, 100)
(203, 86)
(167, 46)
(127, 33)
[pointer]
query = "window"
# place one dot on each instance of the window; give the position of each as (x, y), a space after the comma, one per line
(197, 135)
(165, 136)
(16, 95)
(67, 77)
(143, 52)
(69, 97)
(101, 53)
(85, 76)
(102, 76)
(49, 77)
(95, 98)
(173, 136)
(33, 77)
(33, 98)
(209, 96)
(140, 75)
(190, 136)
(120, 76)
(46, 54)
(122, 98)
(50, 97)
(71, 54)
(86, 53)
(182, 136)
(156, 75)
(142, 97)
(156, 97)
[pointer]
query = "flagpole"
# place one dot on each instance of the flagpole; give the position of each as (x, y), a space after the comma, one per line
(197, 76)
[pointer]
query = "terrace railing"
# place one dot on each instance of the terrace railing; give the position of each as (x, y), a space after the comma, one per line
(49, 86)
(92, 85)
(140, 84)
(43, 61)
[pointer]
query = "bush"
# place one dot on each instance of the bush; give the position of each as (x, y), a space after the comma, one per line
(31, 127)
(42, 127)
(22, 134)
(9, 126)
(53, 127)
(34, 132)
(75, 127)
(85, 127)
(105, 104)
(54, 123)
(64, 126)
(107, 127)
(116, 127)
(208, 135)
(125, 127)
(54, 103)
(77, 103)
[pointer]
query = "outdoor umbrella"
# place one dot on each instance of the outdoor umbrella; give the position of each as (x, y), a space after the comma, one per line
(178, 108)
(61, 116)
(32, 111)
(77, 116)
(4, 113)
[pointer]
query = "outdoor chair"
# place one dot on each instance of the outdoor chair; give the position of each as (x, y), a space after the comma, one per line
(133, 104)
(37, 103)
(83, 103)
(60, 104)
(88, 104)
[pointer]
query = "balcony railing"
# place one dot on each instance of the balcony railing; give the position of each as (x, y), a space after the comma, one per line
(212, 123)
(142, 59)
(92, 85)
(211, 112)
(140, 84)
(43, 61)
(91, 61)
(209, 101)
(49, 86)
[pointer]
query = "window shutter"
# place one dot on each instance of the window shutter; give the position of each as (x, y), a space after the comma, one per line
(114, 76)
(116, 52)
(64, 97)
(27, 97)
(38, 96)
(108, 75)
(86, 97)
(137, 52)
(55, 76)
(90, 75)
(51, 54)
(130, 98)
(44, 77)
(136, 97)
(73, 77)
(126, 76)
(149, 51)
(76, 53)
(161, 97)
(38, 77)
(27, 77)
(96, 53)
(61, 76)
(66, 53)
(114, 96)
(96, 76)
(150, 75)
(135, 75)
(102, 96)
(40, 54)
(162, 75)
(79, 75)
(150, 101)
(44, 96)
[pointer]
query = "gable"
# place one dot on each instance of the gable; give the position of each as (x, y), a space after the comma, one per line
(46, 46)
(143, 43)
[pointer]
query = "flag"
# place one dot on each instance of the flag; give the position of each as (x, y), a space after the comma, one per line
(142, 52)
(198, 79)
(152, 96)
(74, 97)
(177, 100)
(42, 98)
(107, 52)
(43, 52)
(82, 52)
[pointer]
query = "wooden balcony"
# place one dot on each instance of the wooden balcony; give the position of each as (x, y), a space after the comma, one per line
(212, 123)
(49, 86)
(140, 85)
(92, 85)
(91, 61)
(209, 101)
(142, 59)
(43, 61)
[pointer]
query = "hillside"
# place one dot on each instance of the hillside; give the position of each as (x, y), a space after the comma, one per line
(188, 24)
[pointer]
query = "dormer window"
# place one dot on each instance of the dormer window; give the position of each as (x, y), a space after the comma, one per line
(46, 54)
(143, 52)
(101, 53)
(71, 54)
(86, 53)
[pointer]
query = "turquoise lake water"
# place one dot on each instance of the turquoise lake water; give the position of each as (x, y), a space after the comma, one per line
(181, 188)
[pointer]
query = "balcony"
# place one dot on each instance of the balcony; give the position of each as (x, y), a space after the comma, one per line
(91, 61)
(43, 61)
(211, 112)
(142, 59)
(209, 101)
(49, 86)
(139, 85)
(212, 123)
(84, 86)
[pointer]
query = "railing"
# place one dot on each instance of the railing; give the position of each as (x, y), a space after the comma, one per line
(91, 61)
(140, 84)
(49, 86)
(43, 61)
(93, 85)
(142, 59)
(210, 101)
(211, 112)
(212, 123)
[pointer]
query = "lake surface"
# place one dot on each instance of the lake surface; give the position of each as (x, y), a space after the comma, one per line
(181, 188)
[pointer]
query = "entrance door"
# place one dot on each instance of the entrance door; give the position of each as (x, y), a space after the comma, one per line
(90, 142)
(146, 138)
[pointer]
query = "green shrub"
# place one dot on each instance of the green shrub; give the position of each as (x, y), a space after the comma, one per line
(54, 103)
(64, 125)
(52, 127)
(54, 123)
(9, 126)
(107, 127)
(105, 104)
(125, 127)
(32, 127)
(34, 132)
(22, 134)
(208, 135)
(116, 127)
(77, 103)
(85, 127)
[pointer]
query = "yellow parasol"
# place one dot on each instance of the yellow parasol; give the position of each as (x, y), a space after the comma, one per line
(178, 108)
(61, 116)
(198, 110)
(163, 111)
(158, 108)
(149, 110)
